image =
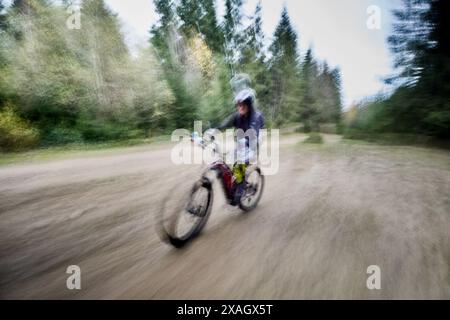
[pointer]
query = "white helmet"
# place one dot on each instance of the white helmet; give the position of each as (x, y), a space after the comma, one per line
(246, 94)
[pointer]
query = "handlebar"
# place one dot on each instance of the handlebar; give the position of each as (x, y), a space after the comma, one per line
(209, 141)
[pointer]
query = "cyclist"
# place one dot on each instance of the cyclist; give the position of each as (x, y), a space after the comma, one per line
(247, 117)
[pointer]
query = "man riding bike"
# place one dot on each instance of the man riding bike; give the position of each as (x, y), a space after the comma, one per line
(250, 120)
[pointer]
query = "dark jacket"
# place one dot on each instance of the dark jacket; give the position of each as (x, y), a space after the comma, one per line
(253, 120)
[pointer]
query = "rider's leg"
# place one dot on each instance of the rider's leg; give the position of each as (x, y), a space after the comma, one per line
(239, 175)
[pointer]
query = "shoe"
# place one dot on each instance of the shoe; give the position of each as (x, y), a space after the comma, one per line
(192, 210)
(240, 188)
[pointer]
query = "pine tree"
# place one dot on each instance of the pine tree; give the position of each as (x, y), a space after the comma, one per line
(327, 96)
(28, 6)
(409, 40)
(199, 17)
(284, 70)
(434, 83)
(209, 26)
(21, 5)
(170, 46)
(160, 31)
(253, 59)
(336, 95)
(284, 47)
(190, 13)
(307, 110)
(2, 16)
(422, 53)
(232, 29)
(253, 48)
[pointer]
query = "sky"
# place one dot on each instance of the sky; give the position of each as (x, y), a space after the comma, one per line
(335, 29)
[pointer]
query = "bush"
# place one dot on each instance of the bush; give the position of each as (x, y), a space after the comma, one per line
(392, 138)
(15, 133)
(329, 128)
(314, 137)
(102, 131)
(62, 136)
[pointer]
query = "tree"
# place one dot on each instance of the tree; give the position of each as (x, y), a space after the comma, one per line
(307, 111)
(421, 49)
(422, 53)
(41, 78)
(2, 16)
(209, 26)
(3, 25)
(28, 6)
(21, 6)
(284, 70)
(190, 14)
(171, 48)
(199, 17)
(104, 49)
(253, 48)
(328, 96)
(253, 59)
(409, 40)
(336, 95)
(160, 30)
(232, 29)
(434, 83)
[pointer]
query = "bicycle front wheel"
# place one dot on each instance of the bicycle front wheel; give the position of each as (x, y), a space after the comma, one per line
(191, 218)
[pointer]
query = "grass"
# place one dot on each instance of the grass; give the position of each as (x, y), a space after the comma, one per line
(70, 150)
(397, 139)
(315, 138)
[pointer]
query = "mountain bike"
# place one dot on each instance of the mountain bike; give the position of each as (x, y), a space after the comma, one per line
(194, 211)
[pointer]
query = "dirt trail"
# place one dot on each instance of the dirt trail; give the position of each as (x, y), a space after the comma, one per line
(332, 211)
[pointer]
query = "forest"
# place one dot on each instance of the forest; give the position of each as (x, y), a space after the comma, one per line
(61, 86)
(420, 103)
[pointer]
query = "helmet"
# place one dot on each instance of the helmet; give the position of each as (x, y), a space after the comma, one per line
(245, 95)
(241, 85)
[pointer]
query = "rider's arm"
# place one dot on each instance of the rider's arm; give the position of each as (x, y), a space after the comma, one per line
(257, 122)
(228, 123)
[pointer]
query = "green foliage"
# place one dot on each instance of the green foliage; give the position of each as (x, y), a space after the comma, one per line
(76, 86)
(420, 105)
(79, 85)
(62, 136)
(15, 133)
(2, 16)
(199, 17)
(100, 131)
(320, 98)
(285, 84)
(253, 62)
(215, 103)
(232, 30)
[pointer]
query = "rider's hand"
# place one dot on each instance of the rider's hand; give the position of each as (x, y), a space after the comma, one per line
(210, 133)
(195, 138)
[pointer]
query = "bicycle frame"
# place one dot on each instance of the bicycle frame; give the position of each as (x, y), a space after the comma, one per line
(222, 170)
(225, 175)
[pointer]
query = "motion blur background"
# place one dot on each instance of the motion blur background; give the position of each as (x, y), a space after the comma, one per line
(364, 177)
(61, 85)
